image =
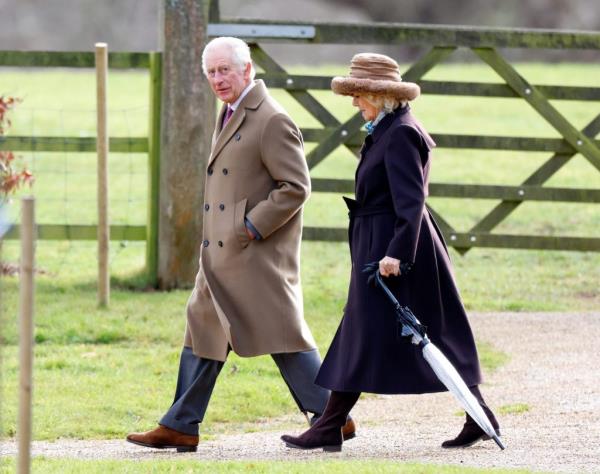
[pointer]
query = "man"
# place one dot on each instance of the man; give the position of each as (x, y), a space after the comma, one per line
(247, 297)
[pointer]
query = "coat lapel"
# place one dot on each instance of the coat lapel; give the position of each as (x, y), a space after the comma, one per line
(221, 137)
(379, 131)
(217, 129)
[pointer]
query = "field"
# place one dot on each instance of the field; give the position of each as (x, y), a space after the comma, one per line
(102, 373)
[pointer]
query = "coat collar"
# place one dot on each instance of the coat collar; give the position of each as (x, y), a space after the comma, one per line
(386, 121)
(252, 101)
(379, 131)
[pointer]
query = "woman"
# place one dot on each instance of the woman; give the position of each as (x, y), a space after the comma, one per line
(389, 223)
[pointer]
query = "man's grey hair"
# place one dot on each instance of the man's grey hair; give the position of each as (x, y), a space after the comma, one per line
(239, 49)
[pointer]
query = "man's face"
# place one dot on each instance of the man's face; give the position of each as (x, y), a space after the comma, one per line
(227, 79)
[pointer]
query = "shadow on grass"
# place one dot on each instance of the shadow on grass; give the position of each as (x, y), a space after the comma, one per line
(138, 280)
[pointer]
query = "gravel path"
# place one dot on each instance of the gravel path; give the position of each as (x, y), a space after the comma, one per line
(553, 369)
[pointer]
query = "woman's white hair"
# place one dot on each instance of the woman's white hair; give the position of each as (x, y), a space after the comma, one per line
(240, 52)
(384, 102)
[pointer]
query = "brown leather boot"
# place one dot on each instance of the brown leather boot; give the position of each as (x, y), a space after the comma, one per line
(163, 438)
(326, 432)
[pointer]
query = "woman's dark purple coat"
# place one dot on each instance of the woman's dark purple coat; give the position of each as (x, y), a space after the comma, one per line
(389, 217)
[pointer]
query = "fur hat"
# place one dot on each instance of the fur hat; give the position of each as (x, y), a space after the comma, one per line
(375, 74)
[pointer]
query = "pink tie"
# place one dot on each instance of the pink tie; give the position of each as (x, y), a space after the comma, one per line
(227, 116)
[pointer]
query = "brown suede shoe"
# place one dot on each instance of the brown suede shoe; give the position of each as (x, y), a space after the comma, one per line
(349, 429)
(163, 438)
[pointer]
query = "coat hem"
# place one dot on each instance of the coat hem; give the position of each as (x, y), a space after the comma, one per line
(356, 388)
(286, 350)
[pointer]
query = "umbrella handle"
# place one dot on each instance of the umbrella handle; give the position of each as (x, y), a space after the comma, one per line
(374, 266)
(384, 287)
(373, 269)
(404, 314)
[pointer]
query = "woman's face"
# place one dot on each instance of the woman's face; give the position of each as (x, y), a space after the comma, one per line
(368, 110)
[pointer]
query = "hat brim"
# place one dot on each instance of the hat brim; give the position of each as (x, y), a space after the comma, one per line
(399, 90)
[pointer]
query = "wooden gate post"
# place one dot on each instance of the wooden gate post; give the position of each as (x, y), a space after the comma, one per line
(188, 117)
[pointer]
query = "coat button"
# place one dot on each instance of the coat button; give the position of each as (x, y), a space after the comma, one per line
(210, 171)
(222, 207)
(206, 207)
(238, 137)
(225, 171)
(220, 244)
(205, 243)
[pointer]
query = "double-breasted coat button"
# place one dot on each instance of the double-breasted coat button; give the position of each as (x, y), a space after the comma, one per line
(206, 207)
(222, 207)
(237, 137)
(220, 244)
(225, 171)
(210, 171)
(205, 243)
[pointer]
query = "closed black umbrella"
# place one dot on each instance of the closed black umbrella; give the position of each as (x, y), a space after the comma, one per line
(443, 368)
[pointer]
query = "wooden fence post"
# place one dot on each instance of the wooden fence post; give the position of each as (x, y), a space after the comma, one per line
(153, 169)
(26, 284)
(188, 117)
(102, 150)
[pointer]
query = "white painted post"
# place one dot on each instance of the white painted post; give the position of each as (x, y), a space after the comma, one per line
(26, 333)
(102, 150)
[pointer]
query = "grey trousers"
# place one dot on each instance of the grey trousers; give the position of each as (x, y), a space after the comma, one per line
(197, 377)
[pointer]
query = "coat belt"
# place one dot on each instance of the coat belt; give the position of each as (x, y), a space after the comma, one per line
(370, 211)
(356, 210)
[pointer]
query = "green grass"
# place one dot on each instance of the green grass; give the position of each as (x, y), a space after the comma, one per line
(514, 409)
(113, 389)
(102, 373)
(115, 368)
(52, 466)
(491, 358)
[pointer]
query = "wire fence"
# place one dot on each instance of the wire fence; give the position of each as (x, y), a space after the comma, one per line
(65, 185)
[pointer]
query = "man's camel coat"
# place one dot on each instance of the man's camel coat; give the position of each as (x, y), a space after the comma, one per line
(247, 293)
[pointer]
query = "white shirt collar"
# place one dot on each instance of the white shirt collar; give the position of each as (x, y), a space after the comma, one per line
(244, 93)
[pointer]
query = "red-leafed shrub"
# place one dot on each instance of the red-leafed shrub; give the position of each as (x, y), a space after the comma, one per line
(12, 177)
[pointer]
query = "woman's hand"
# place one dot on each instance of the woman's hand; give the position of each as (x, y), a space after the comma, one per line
(389, 266)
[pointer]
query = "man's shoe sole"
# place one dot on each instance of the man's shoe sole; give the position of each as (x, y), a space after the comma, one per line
(179, 448)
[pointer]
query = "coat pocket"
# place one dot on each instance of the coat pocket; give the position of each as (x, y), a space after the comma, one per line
(239, 225)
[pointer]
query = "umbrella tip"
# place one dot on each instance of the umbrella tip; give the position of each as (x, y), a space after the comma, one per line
(499, 443)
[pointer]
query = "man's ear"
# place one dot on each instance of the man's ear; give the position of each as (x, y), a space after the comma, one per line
(247, 71)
